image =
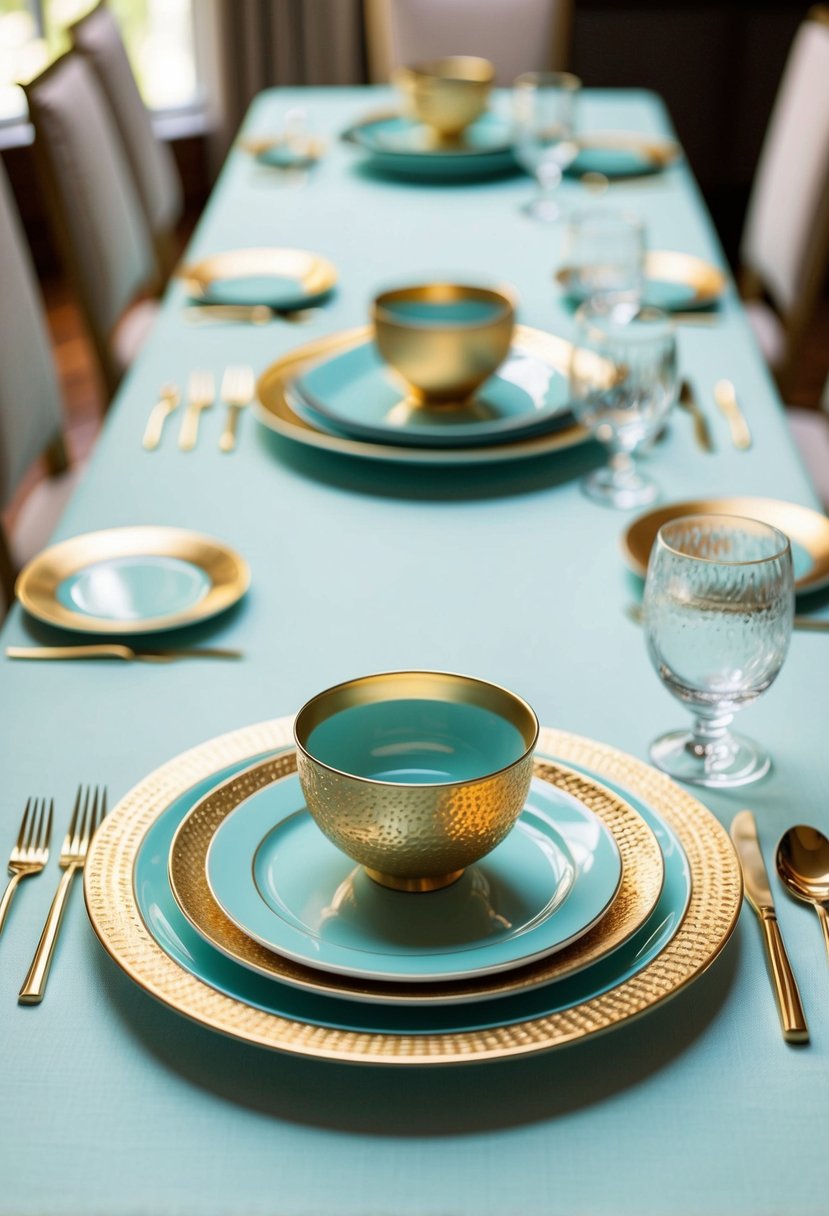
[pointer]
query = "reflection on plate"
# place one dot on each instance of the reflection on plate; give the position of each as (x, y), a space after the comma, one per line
(288, 887)
(402, 145)
(132, 580)
(642, 875)
(673, 281)
(278, 408)
(280, 278)
(622, 154)
(359, 395)
(807, 530)
(137, 920)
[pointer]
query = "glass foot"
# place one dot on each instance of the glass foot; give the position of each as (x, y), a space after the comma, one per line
(621, 490)
(544, 209)
(728, 761)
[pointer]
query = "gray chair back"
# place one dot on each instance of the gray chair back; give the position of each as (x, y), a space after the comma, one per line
(95, 207)
(97, 37)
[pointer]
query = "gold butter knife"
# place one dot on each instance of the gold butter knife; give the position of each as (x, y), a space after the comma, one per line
(114, 650)
(726, 398)
(687, 401)
(806, 624)
(168, 401)
(758, 894)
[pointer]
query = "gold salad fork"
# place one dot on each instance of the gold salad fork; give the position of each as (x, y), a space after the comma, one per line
(238, 385)
(31, 851)
(200, 393)
(90, 808)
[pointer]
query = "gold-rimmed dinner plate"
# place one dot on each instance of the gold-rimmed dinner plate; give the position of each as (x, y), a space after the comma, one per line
(641, 884)
(807, 530)
(279, 278)
(622, 154)
(262, 1011)
(275, 410)
(673, 281)
(132, 580)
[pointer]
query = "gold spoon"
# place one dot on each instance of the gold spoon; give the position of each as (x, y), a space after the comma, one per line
(803, 865)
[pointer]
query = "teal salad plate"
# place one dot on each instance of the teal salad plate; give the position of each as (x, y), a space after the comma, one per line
(355, 394)
(402, 145)
(615, 154)
(288, 887)
(176, 937)
(673, 281)
(287, 279)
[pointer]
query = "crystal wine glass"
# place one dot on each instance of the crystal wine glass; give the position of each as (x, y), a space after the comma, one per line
(544, 116)
(604, 255)
(623, 380)
(719, 605)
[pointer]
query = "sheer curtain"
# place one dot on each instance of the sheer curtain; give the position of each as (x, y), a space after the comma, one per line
(248, 45)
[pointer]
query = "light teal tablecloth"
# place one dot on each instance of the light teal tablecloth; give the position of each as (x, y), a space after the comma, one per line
(111, 1103)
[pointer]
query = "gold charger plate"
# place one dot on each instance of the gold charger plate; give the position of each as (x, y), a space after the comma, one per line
(705, 282)
(642, 876)
(716, 896)
(274, 410)
(314, 274)
(807, 530)
(38, 583)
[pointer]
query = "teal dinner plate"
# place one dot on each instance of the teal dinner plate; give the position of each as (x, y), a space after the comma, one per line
(132, 580)
(283, 883)
(402, 145)
(355, 394)
(174, 934)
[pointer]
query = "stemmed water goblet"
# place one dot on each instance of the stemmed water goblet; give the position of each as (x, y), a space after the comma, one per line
(544, 120)
(603, 254)
(719, 604)
(623, 381)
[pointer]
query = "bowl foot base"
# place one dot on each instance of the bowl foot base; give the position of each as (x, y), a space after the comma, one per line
(415, 885)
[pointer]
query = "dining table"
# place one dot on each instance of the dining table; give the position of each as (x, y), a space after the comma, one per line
(111, 1101)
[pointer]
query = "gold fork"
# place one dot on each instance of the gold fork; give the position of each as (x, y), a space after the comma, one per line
(90, 808)
(31, 852)
(237, 392)
(200, 393)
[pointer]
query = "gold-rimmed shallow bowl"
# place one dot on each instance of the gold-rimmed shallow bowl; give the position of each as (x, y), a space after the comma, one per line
(132, 580)
(807, 530)
(274, 409)
(282, 278)
(115, 913)
(673, 280)
(447, 94)
(443, 339)
(642, 876)
(415, 775)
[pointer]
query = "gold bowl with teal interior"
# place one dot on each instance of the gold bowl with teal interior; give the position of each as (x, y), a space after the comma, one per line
(415, 774)
(447, 94)
(444, 339)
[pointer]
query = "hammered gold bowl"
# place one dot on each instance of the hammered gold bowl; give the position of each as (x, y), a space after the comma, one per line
(447, 94)
(444, 339)
(415, 774)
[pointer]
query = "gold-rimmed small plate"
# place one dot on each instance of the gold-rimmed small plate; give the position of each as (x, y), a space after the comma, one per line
(284, 151)
(622, 154)
(132, 581)
(276, 408)
(673, 281)
(807, 530)
(280, 278)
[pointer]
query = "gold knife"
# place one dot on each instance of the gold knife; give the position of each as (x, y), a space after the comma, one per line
(168, 400)
(687, 401)
(114, 650)
(726, 398)
(758, 894)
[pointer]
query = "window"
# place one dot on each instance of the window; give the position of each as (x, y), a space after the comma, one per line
(158, 35)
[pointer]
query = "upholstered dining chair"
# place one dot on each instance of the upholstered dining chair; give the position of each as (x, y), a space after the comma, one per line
(785, 243)
(517, 36)
(97, 37)
(30, 408)
(95, 209)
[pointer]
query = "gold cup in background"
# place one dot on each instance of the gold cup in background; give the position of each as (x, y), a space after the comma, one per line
(447, 94)
(444, 339)
(415, 835)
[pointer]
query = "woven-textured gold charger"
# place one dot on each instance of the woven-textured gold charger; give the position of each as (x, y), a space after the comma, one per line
(708, 923)
(642, 877)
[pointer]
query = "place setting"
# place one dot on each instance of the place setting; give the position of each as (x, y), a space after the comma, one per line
(410, 871)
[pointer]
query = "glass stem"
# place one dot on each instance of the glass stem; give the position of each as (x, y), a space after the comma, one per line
(549, 178)
(709, 736)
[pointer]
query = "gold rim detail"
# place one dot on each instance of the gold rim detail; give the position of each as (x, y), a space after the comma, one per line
(712, 913)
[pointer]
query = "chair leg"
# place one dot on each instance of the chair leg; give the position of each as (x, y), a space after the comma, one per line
(56, 456)
(7, 570)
